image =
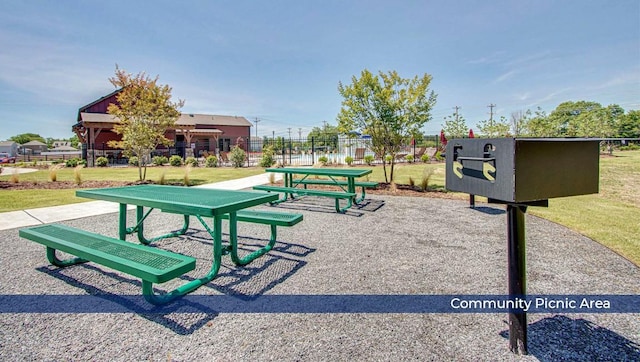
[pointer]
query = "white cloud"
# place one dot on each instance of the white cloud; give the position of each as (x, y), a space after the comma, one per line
(505, 76)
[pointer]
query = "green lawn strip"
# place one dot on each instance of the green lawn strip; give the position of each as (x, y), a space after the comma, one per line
(27, 199)
(32, 199)
(613, 224)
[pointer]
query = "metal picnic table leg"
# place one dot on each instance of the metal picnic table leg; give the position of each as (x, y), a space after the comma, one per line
(122, 222)
(123, 230)
(233, 240)
(517, 276)
(216, 233)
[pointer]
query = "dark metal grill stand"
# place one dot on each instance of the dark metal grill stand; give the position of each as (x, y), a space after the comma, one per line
(517, 275)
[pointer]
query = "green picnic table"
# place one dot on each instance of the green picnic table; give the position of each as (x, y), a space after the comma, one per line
(332, 177)
(154, 265)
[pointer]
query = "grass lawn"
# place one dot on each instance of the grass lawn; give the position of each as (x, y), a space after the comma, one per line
(610, 217)
(29, 199)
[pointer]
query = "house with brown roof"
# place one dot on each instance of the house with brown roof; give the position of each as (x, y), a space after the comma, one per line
(192, 135)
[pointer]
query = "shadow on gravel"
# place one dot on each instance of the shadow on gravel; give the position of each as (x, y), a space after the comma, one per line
(561, 338)
(191, 316)
(183, 316)
(320, 204)
(261, 275)
(490, 210)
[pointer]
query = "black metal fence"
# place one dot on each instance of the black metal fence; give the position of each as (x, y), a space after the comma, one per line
(300, 152)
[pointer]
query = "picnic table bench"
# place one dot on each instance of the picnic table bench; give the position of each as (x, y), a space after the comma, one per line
(362, 184)
(154, 265)
(337, 195)
(347, 188)
(267, 217)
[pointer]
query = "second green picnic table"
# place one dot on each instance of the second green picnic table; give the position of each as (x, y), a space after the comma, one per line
(333, 177)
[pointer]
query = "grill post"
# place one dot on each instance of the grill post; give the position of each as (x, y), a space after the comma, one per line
(516, 253)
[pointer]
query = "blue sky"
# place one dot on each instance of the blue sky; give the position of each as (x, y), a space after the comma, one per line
(281, 61)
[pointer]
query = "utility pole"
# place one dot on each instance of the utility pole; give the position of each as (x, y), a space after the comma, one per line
(456, 108)
(299, 134)
(289, 128)
(256, 121)
(491, 105)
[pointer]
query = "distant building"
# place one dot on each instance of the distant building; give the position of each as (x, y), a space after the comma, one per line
(9, 147)
(34, 147)
(192, 134)
(58, 144)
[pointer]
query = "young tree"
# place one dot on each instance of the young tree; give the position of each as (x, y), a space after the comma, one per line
(520, 122)
(493, 128)
(455, 126)
(144, 112)
(542, 126)
(386, 107)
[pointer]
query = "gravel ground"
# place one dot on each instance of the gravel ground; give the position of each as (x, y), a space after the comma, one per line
(395, 245)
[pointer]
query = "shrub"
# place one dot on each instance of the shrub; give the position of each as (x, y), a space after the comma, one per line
(175, 160)
(211, 161)
(409, 158)
(426, 175)
(323, 160)
(425, 158)
(237, 156)
(187, 171)
(14, 177)
(159, 160)
(102, 161)
(268, 158)
(76, 174)
(630, 147)
(73, 162)
(348, 160)
(388, 158)
(53, 172)
(438, 156)
(161, 180)
(133, 161)
(192, 161)
(368, 159)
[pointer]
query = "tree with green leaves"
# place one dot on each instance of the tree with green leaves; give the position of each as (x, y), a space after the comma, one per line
(327, 136)
(27, 137)
(144, 113)
(629, 125)
(455, 126)
(541, 126)
(386, 107)
(493, 128)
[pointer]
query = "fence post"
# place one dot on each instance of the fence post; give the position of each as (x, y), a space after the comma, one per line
(313, 151)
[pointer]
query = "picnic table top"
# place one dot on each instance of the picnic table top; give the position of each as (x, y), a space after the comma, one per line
(324, 171)
(180, 199)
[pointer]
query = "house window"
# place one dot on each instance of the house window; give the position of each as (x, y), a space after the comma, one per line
(224, 144)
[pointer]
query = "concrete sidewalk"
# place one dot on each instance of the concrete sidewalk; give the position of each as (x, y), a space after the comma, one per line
(43, 215)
